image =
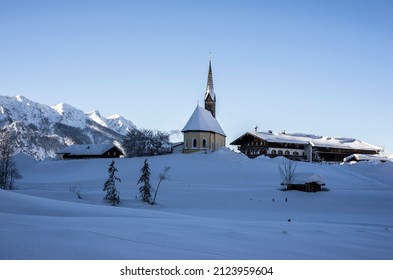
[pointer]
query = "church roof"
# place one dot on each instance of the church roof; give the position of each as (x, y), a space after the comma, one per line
(210, 86)
(202, 120)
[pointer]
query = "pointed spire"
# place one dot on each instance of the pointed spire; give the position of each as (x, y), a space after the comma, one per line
(210, 86)
(210, 97)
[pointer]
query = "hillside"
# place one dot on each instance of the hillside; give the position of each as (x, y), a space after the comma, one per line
(215, 206)
(40, 130)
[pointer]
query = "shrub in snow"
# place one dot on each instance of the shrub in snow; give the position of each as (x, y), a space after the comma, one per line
(145, 189)
(316, 157)
(76, 189)
(112, 195)
(146, 142)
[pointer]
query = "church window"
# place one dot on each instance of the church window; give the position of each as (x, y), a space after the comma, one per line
(194, 143)
(204, 143)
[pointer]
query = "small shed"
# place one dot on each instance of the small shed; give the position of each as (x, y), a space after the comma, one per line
(177, 147)
(362, 157)
(91, 151)
(307, 182)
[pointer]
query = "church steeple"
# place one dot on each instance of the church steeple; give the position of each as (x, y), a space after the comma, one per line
(210, 97)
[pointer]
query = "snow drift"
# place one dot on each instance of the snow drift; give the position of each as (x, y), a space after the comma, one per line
(219, 205)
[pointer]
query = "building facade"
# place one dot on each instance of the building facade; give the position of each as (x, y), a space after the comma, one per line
(302, 147)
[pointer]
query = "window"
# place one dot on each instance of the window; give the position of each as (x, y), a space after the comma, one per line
(295, 153)
(279, 152)
(204, 143)
(274, 152)
(194, 143)
(286, 153)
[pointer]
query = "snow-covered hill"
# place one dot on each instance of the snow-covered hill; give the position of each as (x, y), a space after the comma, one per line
(42, 130)
(219, 205)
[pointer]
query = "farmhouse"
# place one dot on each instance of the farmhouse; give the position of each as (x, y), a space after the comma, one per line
(202, 131)
(91, 151)
(302, 147)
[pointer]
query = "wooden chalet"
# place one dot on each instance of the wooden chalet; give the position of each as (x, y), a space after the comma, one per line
(91, 151)
(302, 147)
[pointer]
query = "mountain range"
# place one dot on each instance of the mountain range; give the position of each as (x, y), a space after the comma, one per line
(41, 130)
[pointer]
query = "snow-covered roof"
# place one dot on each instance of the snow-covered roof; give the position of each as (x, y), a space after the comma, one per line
(362, 157)
(314, 140)
(202, 120)
(303, 178)
(89, 149)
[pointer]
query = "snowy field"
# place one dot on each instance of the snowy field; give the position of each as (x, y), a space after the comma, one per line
(215, 206)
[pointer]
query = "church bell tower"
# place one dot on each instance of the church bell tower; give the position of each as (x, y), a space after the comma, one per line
(210, 97)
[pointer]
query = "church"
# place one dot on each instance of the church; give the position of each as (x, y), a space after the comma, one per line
(202, 132)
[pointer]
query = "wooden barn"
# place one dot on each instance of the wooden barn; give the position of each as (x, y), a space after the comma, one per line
(301, 146)
(91, 151)
(307, 182)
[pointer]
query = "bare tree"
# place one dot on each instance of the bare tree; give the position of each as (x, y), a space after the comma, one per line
(8, 170)
(287, 171)
(161, 177)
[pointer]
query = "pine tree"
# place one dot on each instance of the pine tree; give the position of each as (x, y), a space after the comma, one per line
(112, 195)
(145, 189)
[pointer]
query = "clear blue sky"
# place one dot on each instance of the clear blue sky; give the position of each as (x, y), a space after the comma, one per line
(322, 67)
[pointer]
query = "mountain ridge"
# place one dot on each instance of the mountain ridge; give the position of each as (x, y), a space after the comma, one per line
(41, 131)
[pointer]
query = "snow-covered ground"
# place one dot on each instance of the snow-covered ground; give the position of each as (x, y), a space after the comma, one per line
(215, 206)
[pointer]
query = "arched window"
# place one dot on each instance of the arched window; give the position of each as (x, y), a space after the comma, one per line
(295, 153)
(204, 143)
(286, 153)
(194, 143)
(279, 152)
(274, 152)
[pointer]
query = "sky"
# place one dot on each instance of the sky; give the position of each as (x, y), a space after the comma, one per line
(318, 67)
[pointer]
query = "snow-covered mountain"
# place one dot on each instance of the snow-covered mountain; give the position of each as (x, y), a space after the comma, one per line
(42, 130)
